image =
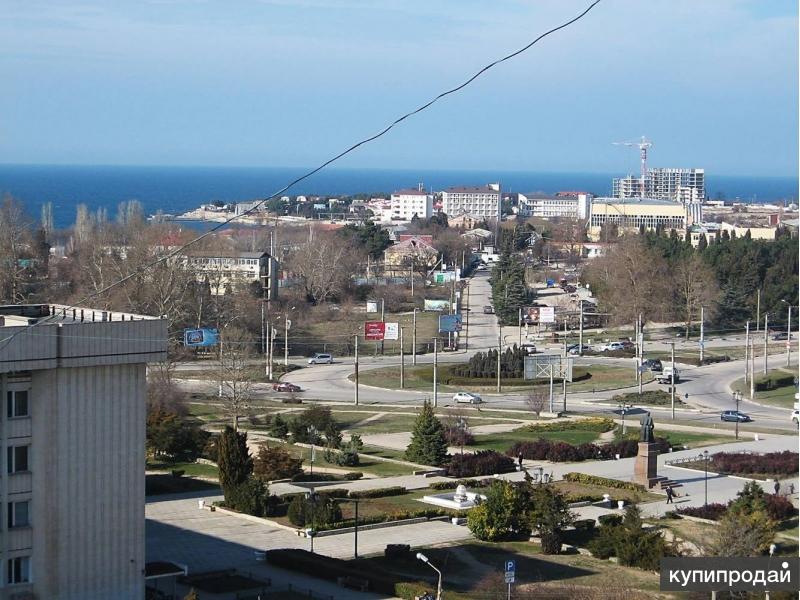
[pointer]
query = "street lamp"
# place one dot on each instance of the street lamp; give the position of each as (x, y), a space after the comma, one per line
(737, 396)
(312, 434)
(462, 429)
(423, 558)
(704, 458)
(623, 408)
(355, 528)
(311, 497)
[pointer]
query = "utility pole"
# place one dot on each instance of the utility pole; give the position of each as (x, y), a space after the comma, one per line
(435, 372)
(789, 338)
(265, 345)
(499, 352)
(383, 319)
(356, 366)
(402, 362)
(636, 326)
(414, 339)
(286, 340)
(702, 334)
(551, 407)
(565, 366)
(752, 369)
(520, 327)
(272, 337)
(746, 351)
(766, 339)
(466, 326)
(672, 377)
(758, 309)
(580, 330)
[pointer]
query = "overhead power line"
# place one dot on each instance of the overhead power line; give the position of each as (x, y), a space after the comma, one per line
(142, 268)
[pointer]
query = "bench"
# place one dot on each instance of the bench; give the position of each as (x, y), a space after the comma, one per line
(355, 583)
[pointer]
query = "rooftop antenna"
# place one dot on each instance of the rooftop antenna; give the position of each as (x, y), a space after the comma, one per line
(643, 145)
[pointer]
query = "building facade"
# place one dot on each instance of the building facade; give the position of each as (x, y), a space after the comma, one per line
(678, 185)
(406, 204)
(73, 437)
(559, 206)
(229, 270)
(630, 215)
(480, 201)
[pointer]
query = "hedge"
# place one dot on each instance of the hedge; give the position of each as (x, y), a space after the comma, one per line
(773, 382)
(557, 451)
(713, 511)
(395, 490)
(610, 520)
(771, 463)
(483, 462)
(603, 482)
(598, 424)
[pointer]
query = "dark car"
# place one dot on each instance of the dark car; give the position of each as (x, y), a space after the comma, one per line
(782, 335)
(627, 344)
(488, 310)
(653, 364)
(286, 387)
(734, 416)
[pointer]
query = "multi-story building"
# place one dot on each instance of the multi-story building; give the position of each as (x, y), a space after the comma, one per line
(548, 207)
(678, 185)
(480, 201)
(229, 269)
(409, 203)
(630, 215)
(73, 437)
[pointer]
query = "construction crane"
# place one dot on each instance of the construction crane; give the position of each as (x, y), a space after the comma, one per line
(643, 145)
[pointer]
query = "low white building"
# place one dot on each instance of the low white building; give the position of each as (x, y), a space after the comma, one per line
(480, 201)
(229, 269)
(558, 206)
(405, 204)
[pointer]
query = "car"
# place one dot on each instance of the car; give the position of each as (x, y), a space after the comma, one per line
(286, 387)
(488, 310)
(611, 347)
(481, 267)
(665, 376)
(466, 398)
(796, 417)
(653, 364)
(782, 335)
(529, 348)
(576, 349)
(734, 416)
(321, 359)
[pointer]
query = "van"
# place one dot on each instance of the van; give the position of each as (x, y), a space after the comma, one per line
(320, 359)
(666, 375)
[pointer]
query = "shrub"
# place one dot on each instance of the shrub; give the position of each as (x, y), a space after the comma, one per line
(451, 485)
(584, 524)
(291, 400)
(275, 463)
(549, 515)
(251, 497)
(774, 382)
(484, 462)
(598, 424)
(278, 427)
(772, 463)
(604, 482)
(334, 492)
(177, 472)
(610, 520)
(395, 551)
(320, 510)
(604, 545)
(396, 490)
(353, 475)
(504, 513)
(713, 511)
(779, 507)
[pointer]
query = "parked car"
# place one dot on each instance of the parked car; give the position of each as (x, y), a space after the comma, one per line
(627, 344)
(781, 335)
(665, 376)
(734, 416)
(488, 310)
(321, 359)
(576, 349)
(286, 387)
(466, 398)
(796, 417)
(481, 267)
(611, 346)
(529, 348)
(653, 364)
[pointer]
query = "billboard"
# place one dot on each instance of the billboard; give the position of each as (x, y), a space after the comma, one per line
(198, 338)
(374, 331)
(444, 276)
(437, 304)
(372, 306)
(449, 323)
(541, 366)
(530, 315)
(547, 314)
(391, 331)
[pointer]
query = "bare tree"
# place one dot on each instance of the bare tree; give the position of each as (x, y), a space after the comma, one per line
(538, 399)
(323, 265)
(233, 374)
(14, 240)
(696, 286)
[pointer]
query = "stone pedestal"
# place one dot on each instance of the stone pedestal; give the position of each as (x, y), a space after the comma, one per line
(645, 470)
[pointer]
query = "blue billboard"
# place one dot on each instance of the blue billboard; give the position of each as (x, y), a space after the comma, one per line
(449, 323)
(196, 338)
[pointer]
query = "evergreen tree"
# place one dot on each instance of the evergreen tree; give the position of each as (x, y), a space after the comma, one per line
(428, 443)
(234, 460)
(549, 516)
(702, 244)
(733, 310)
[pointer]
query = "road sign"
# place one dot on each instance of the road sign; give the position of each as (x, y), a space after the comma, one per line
(509, 577)
(374, 331)
(391, 331)
(511, 566)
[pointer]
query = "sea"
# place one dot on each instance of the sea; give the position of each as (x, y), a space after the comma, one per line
(176, 190)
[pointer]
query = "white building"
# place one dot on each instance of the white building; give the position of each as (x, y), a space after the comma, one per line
(225, 269)
(678, 185)
(73, 437)
(628, 215)
(481, 201)
(548, 207)
(405, 204)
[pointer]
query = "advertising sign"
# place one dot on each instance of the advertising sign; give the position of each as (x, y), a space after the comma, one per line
(372, 306)
(437, 304)
(374, 331)
(449, 323)
(530, 315)
(547, 314)
(391, 331)
(196, 338)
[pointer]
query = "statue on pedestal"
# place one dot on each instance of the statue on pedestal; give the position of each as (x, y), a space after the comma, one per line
(646, 431)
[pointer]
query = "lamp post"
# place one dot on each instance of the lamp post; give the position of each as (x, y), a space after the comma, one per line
(737, 396)
(462, 429)
(704, 458)
(312, 434)
(423, 558)
(355, 528)
(623, 408)
(311, 497)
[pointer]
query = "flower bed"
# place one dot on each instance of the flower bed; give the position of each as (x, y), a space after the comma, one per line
(556, 451)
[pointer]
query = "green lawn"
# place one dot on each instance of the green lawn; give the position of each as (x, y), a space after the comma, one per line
(782, 397)
(189, 469)
(374, 467)
(503, 441)
(678, 438)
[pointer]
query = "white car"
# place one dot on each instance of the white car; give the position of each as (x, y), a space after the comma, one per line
(467, 398)
(796, 417)
(611, 346)
(321, 359)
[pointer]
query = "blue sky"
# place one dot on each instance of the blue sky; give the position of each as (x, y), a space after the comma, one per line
(714, 83)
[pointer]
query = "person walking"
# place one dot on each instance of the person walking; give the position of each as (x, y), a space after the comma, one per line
(777, 487)
(670, 495)
(519, 460)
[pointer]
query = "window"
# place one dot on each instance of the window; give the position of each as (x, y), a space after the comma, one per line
(17, 404)
(17, 459)
(19, 570)
(18, 514)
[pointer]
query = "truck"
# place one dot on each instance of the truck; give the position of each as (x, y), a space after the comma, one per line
(666, 375)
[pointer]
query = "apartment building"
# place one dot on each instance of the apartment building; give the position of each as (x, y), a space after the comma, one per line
(630, 215)
(678, 185)
(479, 201)
(405, 204)
(558, 206)
(226, 269)
(73, 437)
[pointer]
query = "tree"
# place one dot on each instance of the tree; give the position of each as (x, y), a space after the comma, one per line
(278, 427)
(743, 534)
(549, 515)
(428, 445)
(192, 595)
(637, 547)
(14, 241)
(696, 287)
(250, 497)
(537, 399)
(233, 372)
(171, 436)
(234, 460)
(275, 462)
(323, 266)
(314, 511)
(373, 238)
(503, 514)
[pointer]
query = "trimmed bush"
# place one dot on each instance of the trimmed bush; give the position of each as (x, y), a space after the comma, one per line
(604, 482)
(353, 475)
(772, 463)
(713, 511)
(584, 524)
(610, 520)
(484, 462)
(251, 497)
(333, 492)
(598, 424)
(323, 509)
(779, 508)
(773, 382)
(395, 551)
(395, 490)
(451, 485)
(557, 451)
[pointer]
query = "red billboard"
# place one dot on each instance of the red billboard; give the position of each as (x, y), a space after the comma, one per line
(374, 331)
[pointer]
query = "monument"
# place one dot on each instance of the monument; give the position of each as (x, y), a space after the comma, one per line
(646, 467)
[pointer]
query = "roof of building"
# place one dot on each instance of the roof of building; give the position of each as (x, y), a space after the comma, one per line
(411, 243)
(637, 201)
(473, 189)
(225, 254)
(16, 315)
(477, 232)
(409, 192)
(541, 196)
